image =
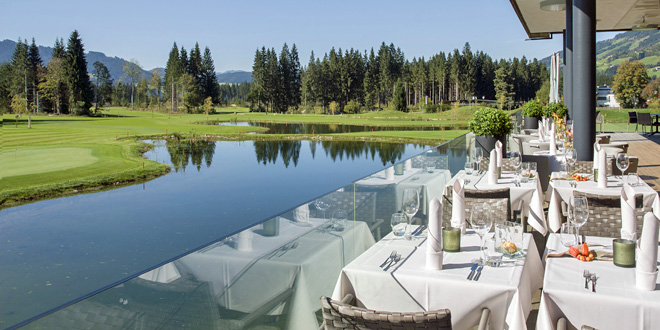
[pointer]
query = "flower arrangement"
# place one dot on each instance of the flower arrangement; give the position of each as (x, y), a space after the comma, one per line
(563, 131)
(555, 108)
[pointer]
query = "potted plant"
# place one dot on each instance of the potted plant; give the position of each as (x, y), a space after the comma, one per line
(490, 125)
(532, 112)
(555, 108)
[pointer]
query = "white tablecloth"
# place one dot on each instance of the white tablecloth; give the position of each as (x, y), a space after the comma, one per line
(529, 193)
(379, 179)
(244, 281)
(409, 286)
(616, 304)
(556, 162)
(560, 190)
(429, 184)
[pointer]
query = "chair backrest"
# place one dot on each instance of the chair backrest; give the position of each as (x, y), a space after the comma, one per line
(632, 166)
(644, 118)
(583, 167)
(542, 167)
(498, 201)
(632, 117)
(599, 117)
(339, 315)
(605, 215)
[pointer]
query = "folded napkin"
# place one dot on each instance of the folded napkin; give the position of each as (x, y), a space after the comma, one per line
(434, 240)
(498, 148)
(596, 151)
(458, 206)
(602, 170)
(628, 214)
(492, 167)
(407, 165)
(553, 141)
(541, 131)
(389, 173)
(647, 259)
(301, 213)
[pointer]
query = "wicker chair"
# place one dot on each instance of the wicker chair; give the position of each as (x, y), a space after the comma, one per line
(498, 200)
(632, 166)
(341, 315)
(582, 167)
(605, 215)
(632, 119)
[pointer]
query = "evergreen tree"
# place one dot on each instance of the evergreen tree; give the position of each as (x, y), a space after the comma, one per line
(183, 60)
(173, 71)
(400, 97)
(102, 84)
(5, 87)
(258, 76)
(503, 86)
(156, 86)
(295, 87)
(132, 71)
(195, 65)
(310, 81)
(284, 78)
(34, 74)
(81, 94)
(58, 49)
(19, 68)
(371, 82)
(209, 79)
(469, 72)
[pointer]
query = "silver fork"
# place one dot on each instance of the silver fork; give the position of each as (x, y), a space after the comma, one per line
(587, 278)
(392, 255)
(393, 262)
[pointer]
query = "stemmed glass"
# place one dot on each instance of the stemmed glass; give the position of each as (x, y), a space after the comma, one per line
(580, 209)
(481, 222)
(410, 203)
(622, 162)
(517, 160)
(478, 156)
(571, 158)
(322, 204)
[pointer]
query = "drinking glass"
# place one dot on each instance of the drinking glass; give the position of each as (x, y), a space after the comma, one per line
(468, 168)
(478, 156)
(410, 202)
(399, 224)
(567, 234)
(481, 222)
(622, 162)
(516, 158)
(533, 172)
(580, 212)
(339, 218)
(524, 171)
(322, 204)
(571, 157)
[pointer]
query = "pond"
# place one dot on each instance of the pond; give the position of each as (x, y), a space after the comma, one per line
(56, 251)
(297, 128)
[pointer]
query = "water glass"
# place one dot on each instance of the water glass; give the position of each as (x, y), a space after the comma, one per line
(516, 159)
(468, 168)
(493, 253)
(533, 172)
(525, 173)
(481, 222)
(339, 218)
(399, 224)
(633, 179)
(517, 178)
(567, 234)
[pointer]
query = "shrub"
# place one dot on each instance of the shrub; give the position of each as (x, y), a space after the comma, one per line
(432, 108)
(490, 122)
(352, 107)
(555, 107)
(532, 109)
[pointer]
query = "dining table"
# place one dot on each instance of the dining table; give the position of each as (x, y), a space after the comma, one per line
(430, 184)
(408, 286)
(615, 304)
(298, 264)
(560, 190)
(527, 195)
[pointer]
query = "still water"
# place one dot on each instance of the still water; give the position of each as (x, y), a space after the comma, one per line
(285, 128)
(55, 251)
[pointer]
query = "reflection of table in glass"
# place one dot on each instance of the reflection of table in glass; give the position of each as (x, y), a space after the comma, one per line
(379, 179)
(430, 184)
(561, 190)
(282, 275)
(616, 304)
(410, 287)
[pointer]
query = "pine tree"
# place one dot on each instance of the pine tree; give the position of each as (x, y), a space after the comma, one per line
(102, 84)
(34, 74)
(400, 97)
(256, 93)
(195, 65)
(295, 88)
(58, 49)
(371, 81)
(209, 79)
(81, 94)
(173, 71)
(19, 68)
(183, 60)
(132, 71)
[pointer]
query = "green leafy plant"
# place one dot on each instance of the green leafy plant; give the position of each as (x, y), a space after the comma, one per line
(555, 107)
(532, 109)
(490, 122)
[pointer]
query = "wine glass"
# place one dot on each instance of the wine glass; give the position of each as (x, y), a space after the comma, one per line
(322, 204)
(481, 222)
(399, 224)
(580, 212)
(478, 156)
(571, 158)
(410, 203)
(622, 162)
(515, 157)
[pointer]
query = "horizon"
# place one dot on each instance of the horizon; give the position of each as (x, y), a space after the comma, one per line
(363, 26)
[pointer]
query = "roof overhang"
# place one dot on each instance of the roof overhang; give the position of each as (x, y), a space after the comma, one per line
(611, 16)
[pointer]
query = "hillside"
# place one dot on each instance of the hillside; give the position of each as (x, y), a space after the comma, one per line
(115, 64)
(631, 45)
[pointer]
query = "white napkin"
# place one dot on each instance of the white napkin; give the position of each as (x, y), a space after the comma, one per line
(389, 173)
(407, 165)
(628, 214)
(301, 213)
(602, 170)
(553, 141)
(498, 148)
(541, 131)
(434, 240)
(648, 244)
(596, 151)
(458, 206)
(492, 167)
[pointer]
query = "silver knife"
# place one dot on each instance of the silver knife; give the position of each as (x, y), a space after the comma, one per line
(474, 267)
(476, 277)
(420, 230)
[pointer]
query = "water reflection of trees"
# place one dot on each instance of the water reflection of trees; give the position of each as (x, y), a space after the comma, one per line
(197, 152)
(269, 151)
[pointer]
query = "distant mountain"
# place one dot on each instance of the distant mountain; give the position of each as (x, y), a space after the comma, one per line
(234, 77)
(115, 64)
(643, 46)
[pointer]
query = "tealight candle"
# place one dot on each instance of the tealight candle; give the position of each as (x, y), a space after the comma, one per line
(624, 252)
(451, 239)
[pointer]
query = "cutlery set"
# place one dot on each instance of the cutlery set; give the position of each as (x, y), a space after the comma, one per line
(590, 277)
(475, 272)
(418, 231)
(283, 250)
(392, 260)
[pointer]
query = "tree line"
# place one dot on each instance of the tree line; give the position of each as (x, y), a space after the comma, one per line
(353, 81)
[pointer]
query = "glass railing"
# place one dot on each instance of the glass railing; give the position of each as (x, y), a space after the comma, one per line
(273, 273)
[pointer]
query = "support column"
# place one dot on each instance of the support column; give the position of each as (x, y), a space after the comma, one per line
(568, 59)
(584, 77)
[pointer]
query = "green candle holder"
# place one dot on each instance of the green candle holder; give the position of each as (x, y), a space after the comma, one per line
(398, 169)
(451, 239)
(624, 252)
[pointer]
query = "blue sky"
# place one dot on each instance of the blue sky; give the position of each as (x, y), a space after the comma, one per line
(145, 29)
